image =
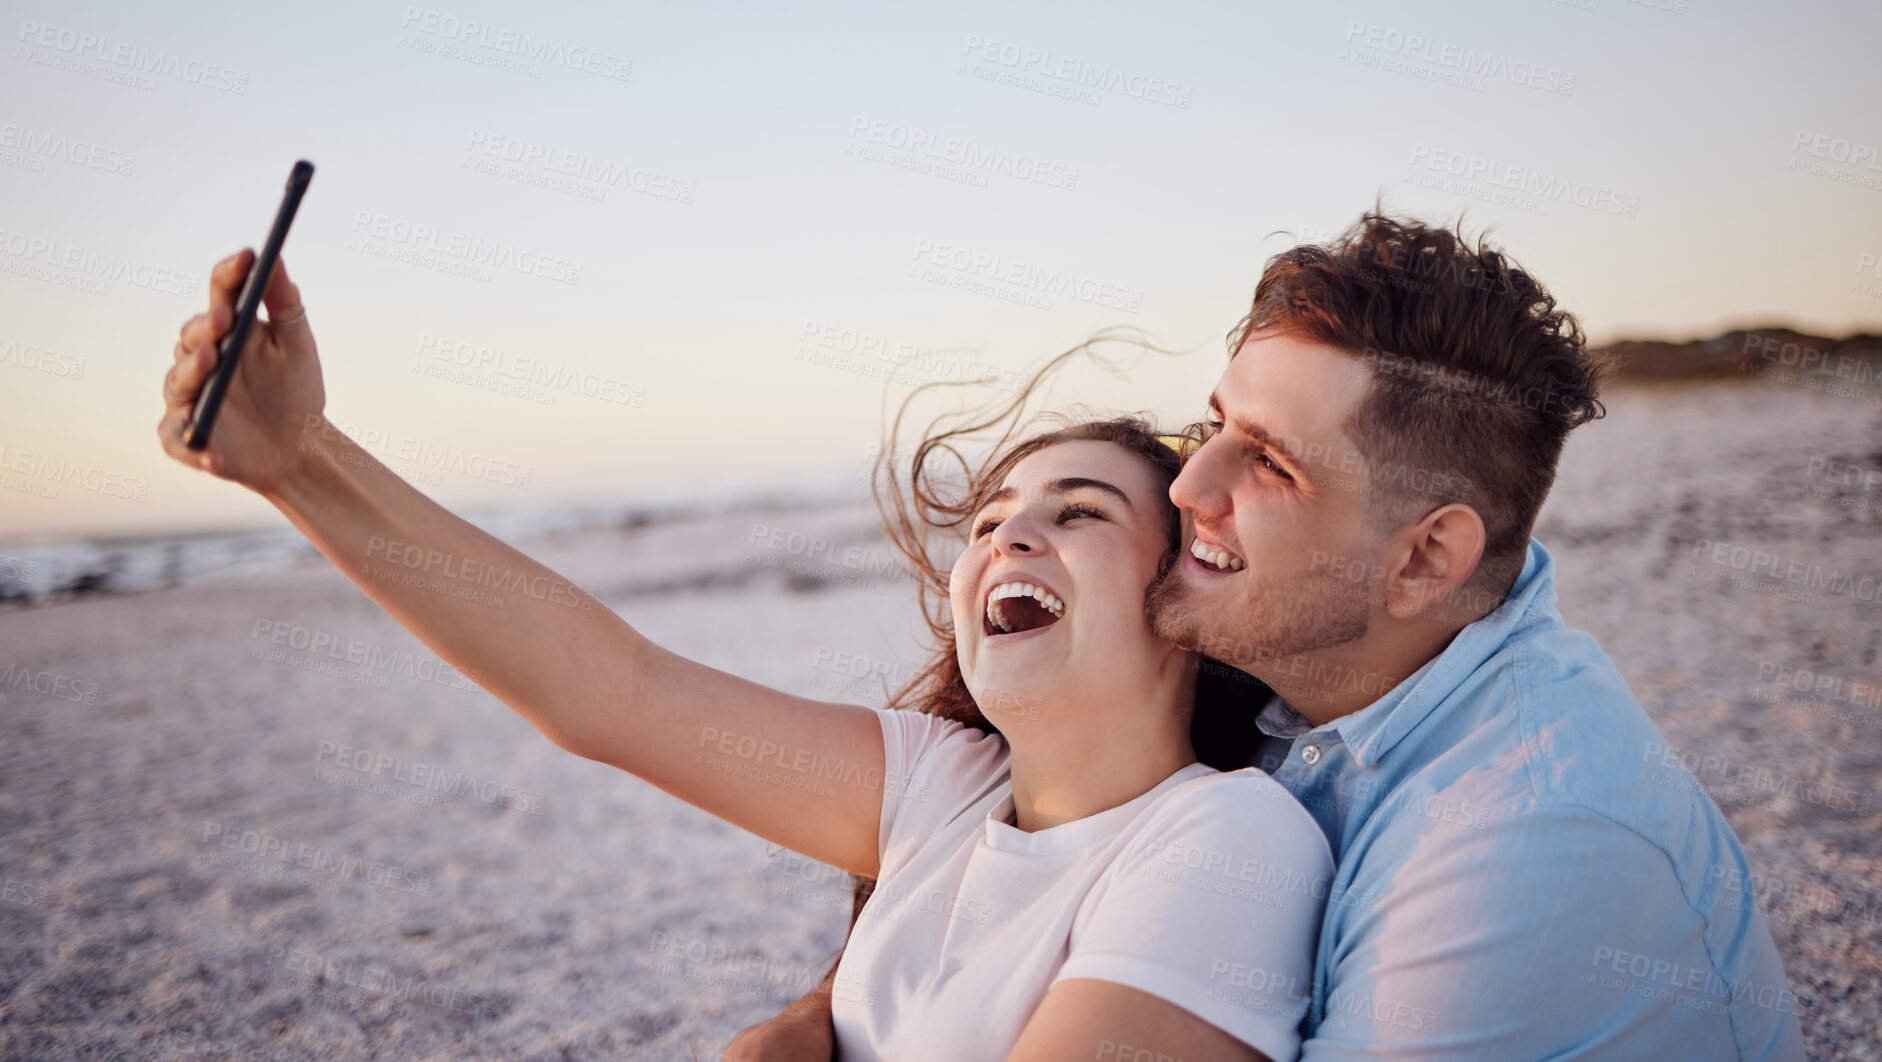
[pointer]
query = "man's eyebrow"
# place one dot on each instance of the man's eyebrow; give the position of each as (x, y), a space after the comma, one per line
(1064, 485)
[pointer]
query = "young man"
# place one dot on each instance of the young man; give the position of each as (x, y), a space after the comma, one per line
(1523, 872)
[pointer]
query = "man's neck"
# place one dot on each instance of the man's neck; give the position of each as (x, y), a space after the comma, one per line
(1334, 683)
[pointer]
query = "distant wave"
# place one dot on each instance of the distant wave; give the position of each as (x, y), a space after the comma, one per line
(51, 570)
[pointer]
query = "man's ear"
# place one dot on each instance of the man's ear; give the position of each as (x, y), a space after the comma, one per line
(1437, 555)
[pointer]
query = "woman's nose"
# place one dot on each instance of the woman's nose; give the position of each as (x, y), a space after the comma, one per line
(1015, 535)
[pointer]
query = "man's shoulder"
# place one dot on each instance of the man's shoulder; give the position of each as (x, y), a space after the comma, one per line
(1585, 741)
(1547, 733)
(1547, 720)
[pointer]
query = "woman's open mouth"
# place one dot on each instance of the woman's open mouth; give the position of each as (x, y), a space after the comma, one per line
(1016, 606)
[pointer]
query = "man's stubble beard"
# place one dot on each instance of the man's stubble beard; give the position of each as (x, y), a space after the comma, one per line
(1274, 618)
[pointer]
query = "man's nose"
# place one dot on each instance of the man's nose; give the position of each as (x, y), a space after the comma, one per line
(1200, 487)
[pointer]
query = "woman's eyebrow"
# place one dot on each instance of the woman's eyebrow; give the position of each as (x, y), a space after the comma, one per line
(1004, 494)
(1064, 485)
(1072, 483)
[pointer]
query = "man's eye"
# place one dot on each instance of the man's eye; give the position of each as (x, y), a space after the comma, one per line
(1269, 463)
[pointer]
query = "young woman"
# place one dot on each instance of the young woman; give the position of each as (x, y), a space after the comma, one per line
(1057, 876)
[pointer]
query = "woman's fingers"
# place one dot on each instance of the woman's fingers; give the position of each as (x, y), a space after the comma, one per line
(225, 280)
(186, 375)
(170, 434)
(287, 316)
(186, 336)
(282, 296)
(206, 329)
(171, 396)
(195, 356)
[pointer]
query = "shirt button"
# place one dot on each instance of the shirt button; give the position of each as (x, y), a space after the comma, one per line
(1311, 754)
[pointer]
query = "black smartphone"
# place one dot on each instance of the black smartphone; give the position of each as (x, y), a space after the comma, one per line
(209, 399)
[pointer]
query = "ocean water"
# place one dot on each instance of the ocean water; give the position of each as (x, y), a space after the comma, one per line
(42, 571)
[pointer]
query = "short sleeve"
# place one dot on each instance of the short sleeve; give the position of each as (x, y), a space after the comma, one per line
(934, 771)
(1216, 908)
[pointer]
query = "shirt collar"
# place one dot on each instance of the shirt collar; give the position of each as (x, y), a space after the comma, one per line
(1276, 719)
(1530, 603)
(1371, 732)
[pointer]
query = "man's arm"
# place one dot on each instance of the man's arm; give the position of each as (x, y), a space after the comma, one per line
(800, 1033)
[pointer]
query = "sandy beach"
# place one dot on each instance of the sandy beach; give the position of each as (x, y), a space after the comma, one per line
(252, 817)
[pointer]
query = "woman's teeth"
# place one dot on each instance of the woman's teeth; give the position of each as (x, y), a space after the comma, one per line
(1046, 599)
(1215, 558)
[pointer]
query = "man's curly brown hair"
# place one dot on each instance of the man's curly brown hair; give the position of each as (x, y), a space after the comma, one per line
(1477, 375)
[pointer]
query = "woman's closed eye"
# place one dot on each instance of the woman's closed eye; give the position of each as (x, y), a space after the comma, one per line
(1075, 510)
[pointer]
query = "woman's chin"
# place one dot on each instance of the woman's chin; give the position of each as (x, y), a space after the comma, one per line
(1013, 691)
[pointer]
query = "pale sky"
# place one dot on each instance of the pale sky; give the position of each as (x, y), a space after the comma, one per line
(724, 223)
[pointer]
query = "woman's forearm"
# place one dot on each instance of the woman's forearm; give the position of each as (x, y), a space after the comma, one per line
(802, 773)
(521, 631)
(805, 774)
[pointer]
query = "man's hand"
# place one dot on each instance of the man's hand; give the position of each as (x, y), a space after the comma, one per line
(276, 390)
(802, 1033)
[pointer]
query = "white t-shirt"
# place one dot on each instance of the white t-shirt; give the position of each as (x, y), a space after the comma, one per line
(1206, 891)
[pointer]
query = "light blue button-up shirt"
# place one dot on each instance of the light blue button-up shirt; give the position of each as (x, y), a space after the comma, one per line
(1525, 870)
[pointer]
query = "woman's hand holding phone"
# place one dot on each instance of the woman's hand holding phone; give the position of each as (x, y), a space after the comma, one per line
(533, 638)
(276, 399)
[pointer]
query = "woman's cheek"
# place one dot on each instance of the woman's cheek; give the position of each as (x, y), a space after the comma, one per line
(959, 578)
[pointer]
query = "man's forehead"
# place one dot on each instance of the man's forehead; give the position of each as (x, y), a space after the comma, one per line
(1294, 390)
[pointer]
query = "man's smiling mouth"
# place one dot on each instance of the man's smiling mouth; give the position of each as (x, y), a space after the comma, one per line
(1018, 605)
(1215, 560)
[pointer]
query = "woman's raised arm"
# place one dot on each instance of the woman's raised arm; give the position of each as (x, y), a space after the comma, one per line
(801, 773)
